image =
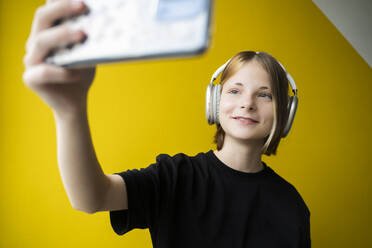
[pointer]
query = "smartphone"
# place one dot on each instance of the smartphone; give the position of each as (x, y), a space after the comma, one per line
(123, 30)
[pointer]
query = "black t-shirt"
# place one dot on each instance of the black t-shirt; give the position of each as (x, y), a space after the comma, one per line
(198, 201)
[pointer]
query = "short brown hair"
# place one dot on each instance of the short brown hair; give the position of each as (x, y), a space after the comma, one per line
(279, 85)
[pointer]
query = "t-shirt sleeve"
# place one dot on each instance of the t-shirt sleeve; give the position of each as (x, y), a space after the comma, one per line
(305, 240)
(149, 192)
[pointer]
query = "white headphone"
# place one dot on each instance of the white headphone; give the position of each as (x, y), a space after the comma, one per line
(214, 93)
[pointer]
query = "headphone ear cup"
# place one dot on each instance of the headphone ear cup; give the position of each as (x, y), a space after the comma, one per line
(214, 105)
(289, 105)
(208, 104)
(217, 103)
(292, 108)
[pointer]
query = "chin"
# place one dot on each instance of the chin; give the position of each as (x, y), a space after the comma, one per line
(250, 139)
(247, 136)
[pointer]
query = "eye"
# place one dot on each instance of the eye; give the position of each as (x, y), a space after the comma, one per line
(232, 91)
(266, 95)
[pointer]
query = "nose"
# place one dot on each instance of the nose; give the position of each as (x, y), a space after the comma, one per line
(248, 102)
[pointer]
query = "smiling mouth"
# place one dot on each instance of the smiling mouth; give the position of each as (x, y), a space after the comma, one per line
(246, 121)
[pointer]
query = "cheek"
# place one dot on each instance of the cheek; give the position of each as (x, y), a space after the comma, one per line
(226, 107)
(269, 115)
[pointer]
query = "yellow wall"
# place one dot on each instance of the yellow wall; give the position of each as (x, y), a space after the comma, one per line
(141, 109)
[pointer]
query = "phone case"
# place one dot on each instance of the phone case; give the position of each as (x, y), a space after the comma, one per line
(122, 30)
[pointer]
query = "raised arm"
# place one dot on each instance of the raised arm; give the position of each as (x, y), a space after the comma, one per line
(65, 91)
(87, 187)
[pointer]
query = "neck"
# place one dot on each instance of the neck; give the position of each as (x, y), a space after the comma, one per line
(241, 156)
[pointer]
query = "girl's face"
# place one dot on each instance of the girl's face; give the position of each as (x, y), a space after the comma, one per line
(247, 94)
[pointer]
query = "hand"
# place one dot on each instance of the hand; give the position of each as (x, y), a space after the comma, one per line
(64, 90)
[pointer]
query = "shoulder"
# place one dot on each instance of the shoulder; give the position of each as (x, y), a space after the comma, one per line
(183, 162)
(288, 195)
(180, 158)
(176, 158)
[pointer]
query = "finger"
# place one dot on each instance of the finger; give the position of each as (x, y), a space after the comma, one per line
(46, 15)
(50, 39)
(42, 74)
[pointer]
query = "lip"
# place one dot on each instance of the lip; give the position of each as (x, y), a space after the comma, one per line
(247, 119)
(245, 122)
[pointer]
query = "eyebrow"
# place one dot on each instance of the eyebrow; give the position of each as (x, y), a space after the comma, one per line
(262, 87)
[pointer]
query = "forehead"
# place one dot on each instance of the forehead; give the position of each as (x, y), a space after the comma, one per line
(251, 74)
